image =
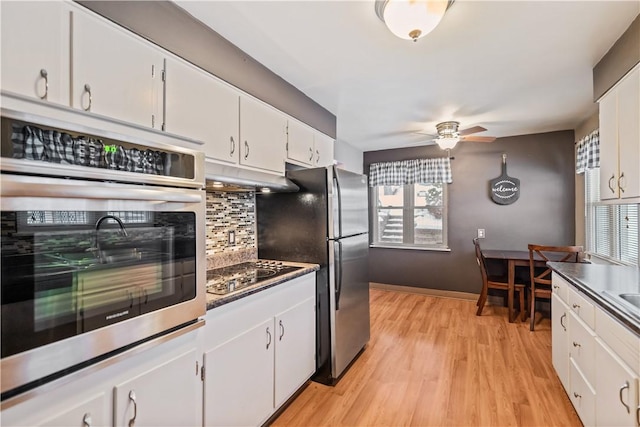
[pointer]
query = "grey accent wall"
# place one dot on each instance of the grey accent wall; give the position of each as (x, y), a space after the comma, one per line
(172, 28)
(544, 214)
(622, 57)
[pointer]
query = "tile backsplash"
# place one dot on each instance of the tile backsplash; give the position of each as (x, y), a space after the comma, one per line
(225, 212)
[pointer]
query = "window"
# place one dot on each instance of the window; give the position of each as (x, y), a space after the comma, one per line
(611, 230)
(410, 216)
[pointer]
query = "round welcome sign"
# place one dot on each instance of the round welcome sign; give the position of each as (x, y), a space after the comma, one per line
(505, 189)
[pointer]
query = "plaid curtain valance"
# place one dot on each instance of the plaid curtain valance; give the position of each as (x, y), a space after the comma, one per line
(588, 152)
(417, 171)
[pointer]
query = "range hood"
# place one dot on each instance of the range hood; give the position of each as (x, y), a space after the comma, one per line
(221, 177)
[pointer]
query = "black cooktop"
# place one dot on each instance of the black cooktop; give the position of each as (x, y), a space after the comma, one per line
(221, 281)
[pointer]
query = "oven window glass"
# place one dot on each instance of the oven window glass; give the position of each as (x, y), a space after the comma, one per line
(69, 272)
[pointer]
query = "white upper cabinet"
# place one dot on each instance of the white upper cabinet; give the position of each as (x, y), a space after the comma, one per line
(115, 73)
(300, 142)
(323, 155)
(200, 107)
(35, 49)
(620, 139)
(262, 135)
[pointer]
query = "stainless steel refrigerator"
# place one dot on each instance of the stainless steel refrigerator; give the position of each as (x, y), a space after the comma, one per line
(325, 223)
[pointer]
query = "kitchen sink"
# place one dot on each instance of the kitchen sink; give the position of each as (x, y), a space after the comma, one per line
(633, 299)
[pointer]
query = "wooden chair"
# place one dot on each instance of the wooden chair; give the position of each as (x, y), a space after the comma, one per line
(493, 282)
(540, 285)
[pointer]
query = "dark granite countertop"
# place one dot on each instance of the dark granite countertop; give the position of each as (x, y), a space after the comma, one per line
(214, 301)
(603, 284)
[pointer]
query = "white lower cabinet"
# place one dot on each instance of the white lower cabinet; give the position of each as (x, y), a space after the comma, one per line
(259, 351)
(162, 377)
(617, 385)
(594, 356)
(560, 338)
(239, 378)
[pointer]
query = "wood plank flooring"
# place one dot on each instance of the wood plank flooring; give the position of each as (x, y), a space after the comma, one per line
(432, 362)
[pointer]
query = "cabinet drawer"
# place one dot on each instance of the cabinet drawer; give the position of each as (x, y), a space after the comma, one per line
(582, 396)
(620, 339)
(559, 287)
(582, 307)
(582, 347)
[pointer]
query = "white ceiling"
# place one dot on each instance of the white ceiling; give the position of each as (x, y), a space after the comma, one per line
(514, 67)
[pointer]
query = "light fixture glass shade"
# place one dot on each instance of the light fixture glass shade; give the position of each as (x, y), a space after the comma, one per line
(447, 143)
(412, 19)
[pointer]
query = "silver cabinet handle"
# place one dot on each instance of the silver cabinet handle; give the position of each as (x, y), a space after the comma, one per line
(132, 397)
(87, 89)
(575, 344)
(86, 420)
(638, 415)
(623, 388)
(246, 150)
(564, 316)
(317, 157)
(556, 287)
(45, 75)
(621, 180)
(233, 146)
(576, 306)
(576, 395)
(310, 154)
(281, 331)
(268, 338)
(611, 180)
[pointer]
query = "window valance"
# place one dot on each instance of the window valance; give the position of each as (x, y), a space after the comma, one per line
(588, 152)
(417, 171)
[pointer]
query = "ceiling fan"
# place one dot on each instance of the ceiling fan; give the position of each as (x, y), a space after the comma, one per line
(449, 135)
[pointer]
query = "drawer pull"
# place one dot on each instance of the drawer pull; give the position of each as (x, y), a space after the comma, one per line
(576, 306)
(556, 287)
(576, 395)
(575, 344)
(132, 398)
(623, 388)
(86, 420)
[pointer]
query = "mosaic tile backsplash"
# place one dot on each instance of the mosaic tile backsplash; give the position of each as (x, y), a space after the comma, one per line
(230, 212)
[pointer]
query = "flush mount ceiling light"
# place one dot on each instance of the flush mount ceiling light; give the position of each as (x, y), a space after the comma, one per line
(411, 19)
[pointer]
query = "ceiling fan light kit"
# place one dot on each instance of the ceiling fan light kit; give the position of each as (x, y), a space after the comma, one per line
(411, 19)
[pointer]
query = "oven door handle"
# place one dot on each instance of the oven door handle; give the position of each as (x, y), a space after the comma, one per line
(27, 186)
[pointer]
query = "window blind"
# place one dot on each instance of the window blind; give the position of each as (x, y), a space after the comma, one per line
(611, 230)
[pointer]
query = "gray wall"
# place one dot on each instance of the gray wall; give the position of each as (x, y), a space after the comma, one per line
(622, 57)
(173, 29)
(544, 214)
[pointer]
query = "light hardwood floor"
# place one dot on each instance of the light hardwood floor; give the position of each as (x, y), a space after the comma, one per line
(431, 361)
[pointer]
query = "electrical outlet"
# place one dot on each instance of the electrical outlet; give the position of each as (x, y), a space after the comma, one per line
(481, 233)
(232, 237)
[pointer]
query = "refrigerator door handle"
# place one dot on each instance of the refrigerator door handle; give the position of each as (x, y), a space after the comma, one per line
(339, 194)
(338, 274)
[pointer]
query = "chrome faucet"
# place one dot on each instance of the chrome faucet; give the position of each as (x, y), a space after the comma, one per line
(98, 223)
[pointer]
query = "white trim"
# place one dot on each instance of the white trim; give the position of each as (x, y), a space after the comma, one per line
(414, 248)
(467, 296)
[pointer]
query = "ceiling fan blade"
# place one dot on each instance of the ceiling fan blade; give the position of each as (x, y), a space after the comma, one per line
(425, 133)
(479, 138)
(474, 129)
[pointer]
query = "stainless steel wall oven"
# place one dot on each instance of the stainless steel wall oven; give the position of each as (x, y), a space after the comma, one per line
(101, 246)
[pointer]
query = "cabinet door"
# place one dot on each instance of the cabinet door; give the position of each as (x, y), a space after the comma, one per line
(166, 395)
(238, 388)
(609, 146)
(629, 135)
(34, 38)
(92, 412)
(323, 150)
(295, 349)
(560, 339)
(262, 136)
(616, 388)
(300, 142)
(200, 107)
(115, 73)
